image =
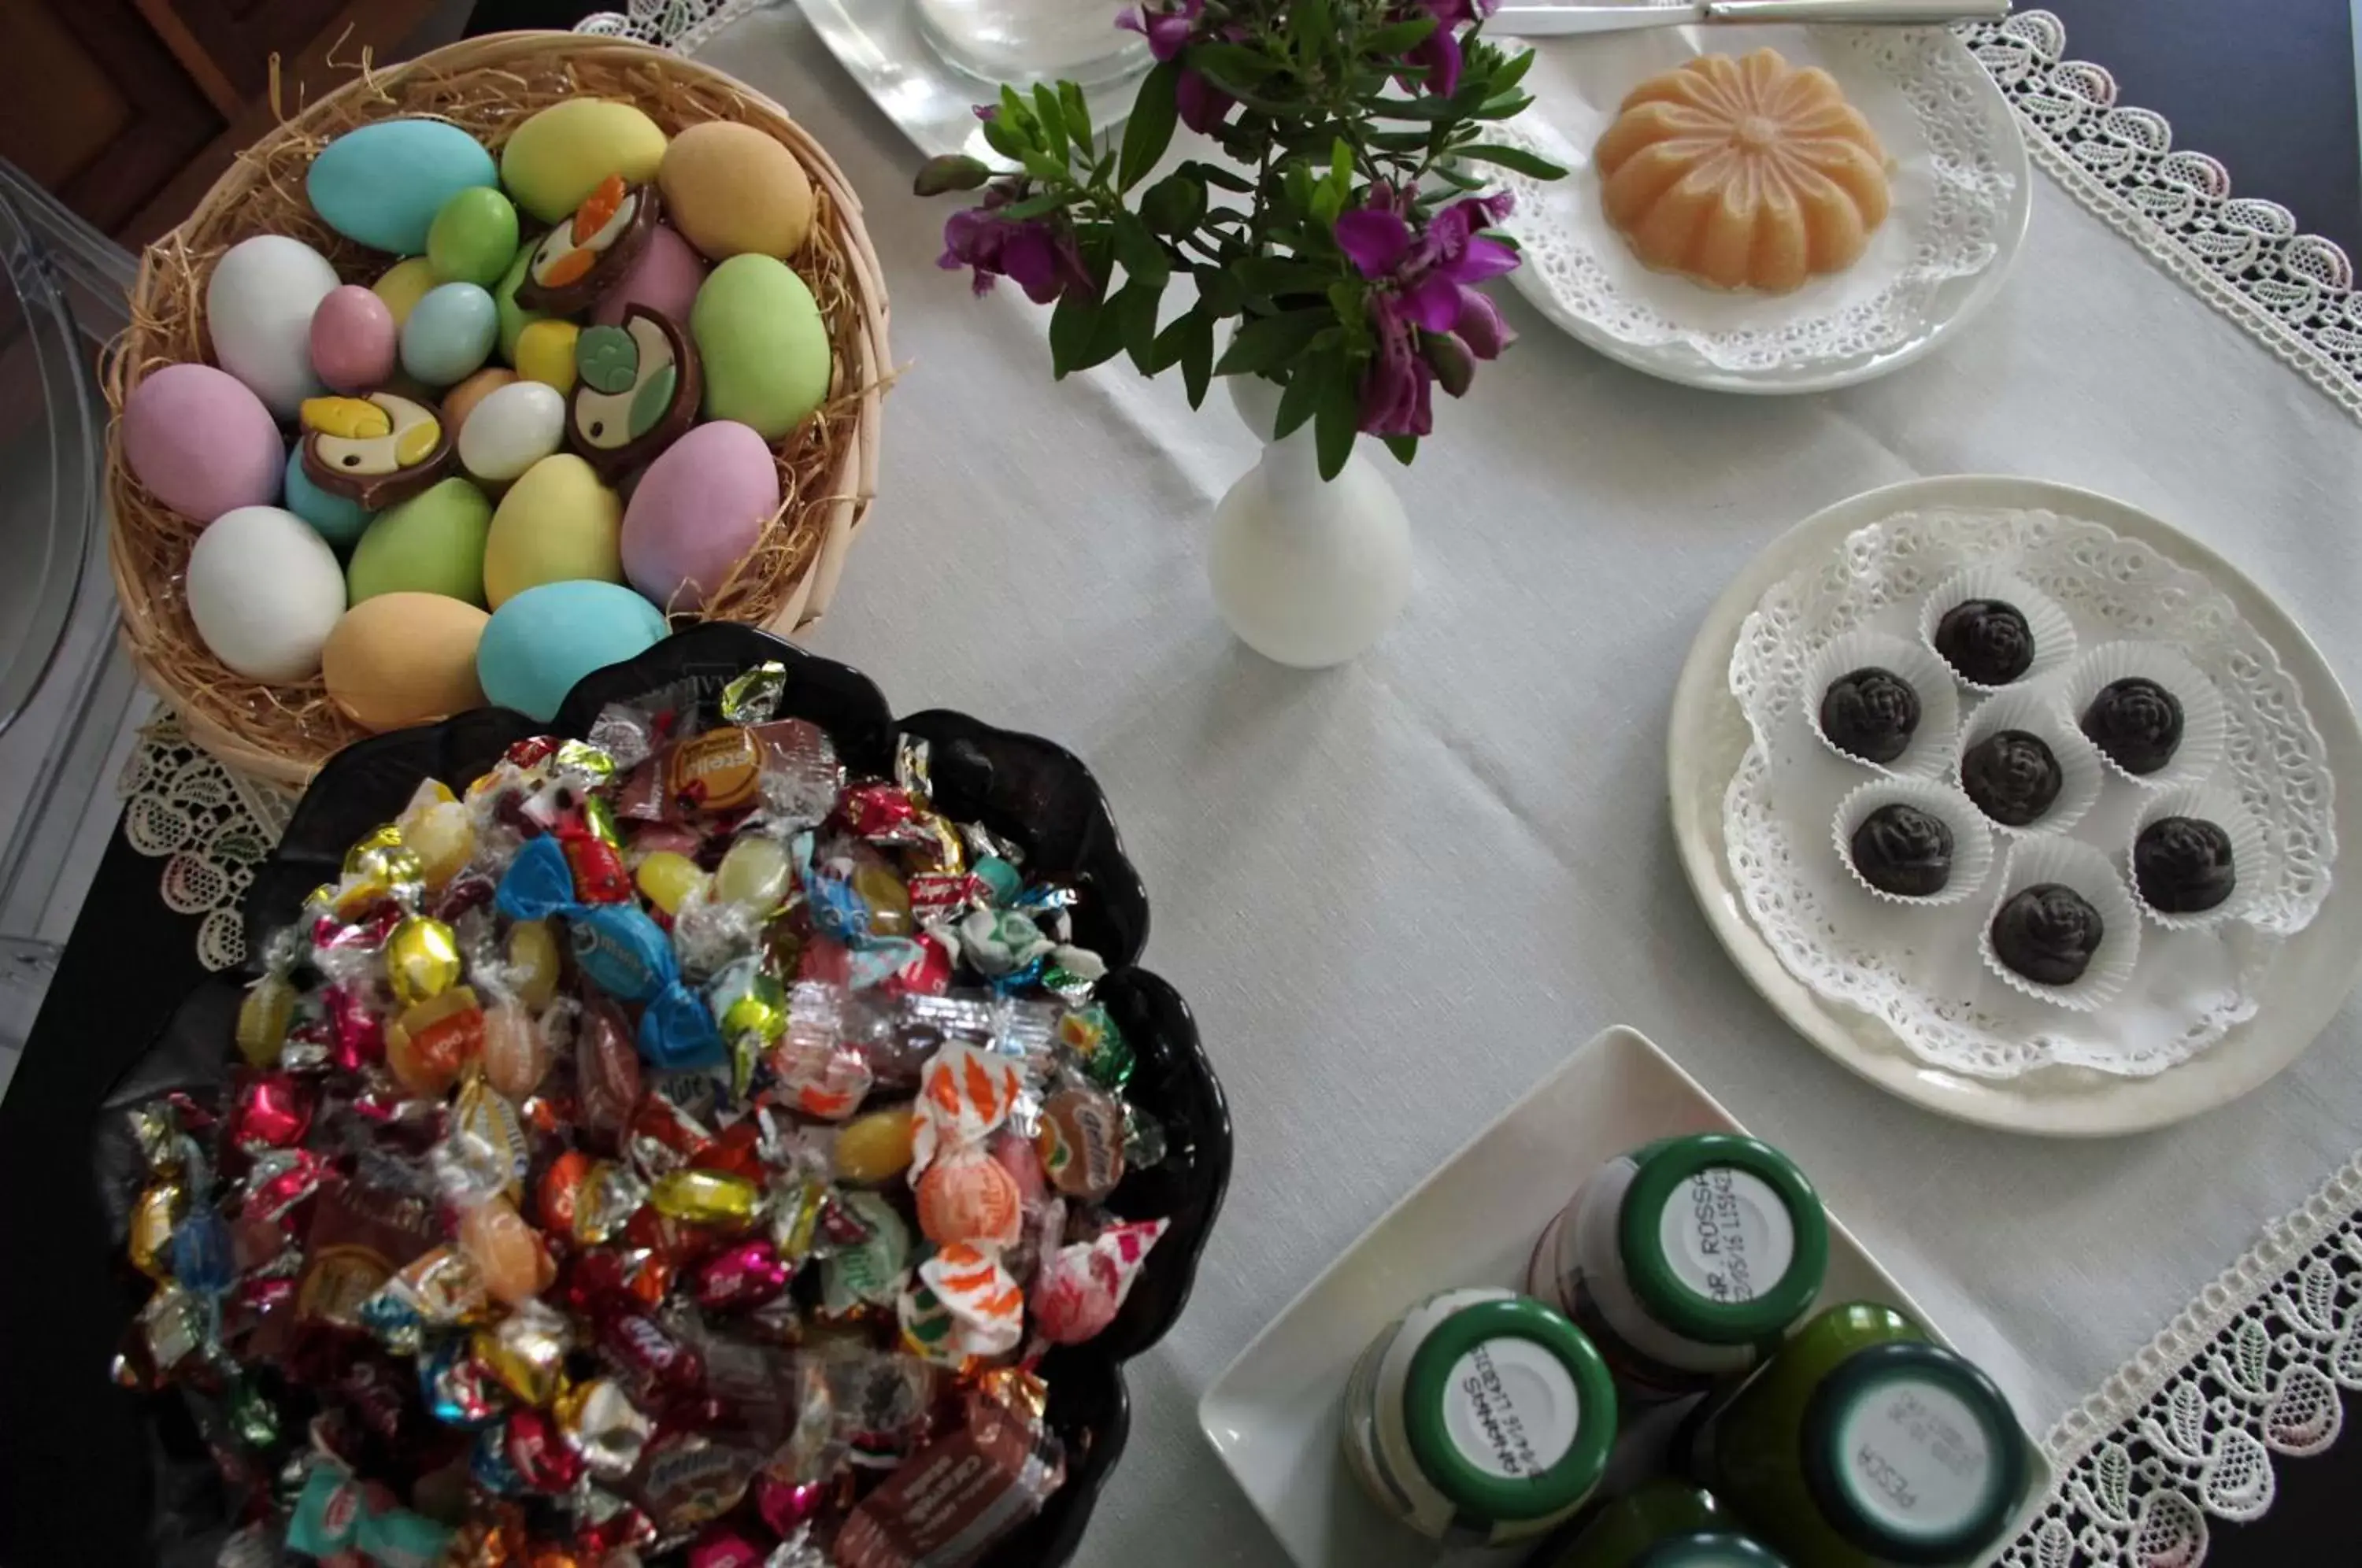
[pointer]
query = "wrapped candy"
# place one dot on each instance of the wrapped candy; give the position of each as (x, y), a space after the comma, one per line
(658, 1144)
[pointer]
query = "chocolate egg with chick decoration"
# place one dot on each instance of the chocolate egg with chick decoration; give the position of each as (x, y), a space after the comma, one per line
(637, 390)
(592, 251)
(377, 450)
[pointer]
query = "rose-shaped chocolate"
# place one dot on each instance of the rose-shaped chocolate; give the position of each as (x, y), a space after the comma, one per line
(1987, 640)
(2183, 864)
(1903, 850)
(2137, 722)
(2011, 776)
(2047, 932)
(1870, 714)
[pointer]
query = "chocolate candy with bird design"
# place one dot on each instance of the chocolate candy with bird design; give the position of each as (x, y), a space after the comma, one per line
(636, 391)
(375, 450)
(590, 252)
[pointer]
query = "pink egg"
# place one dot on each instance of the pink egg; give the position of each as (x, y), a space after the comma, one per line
(696, 512)
(664, 279)
(201, 443)
(354, 341)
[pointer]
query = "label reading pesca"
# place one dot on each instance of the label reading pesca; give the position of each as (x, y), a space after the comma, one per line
(1727, 1235)
(1915, 1458)
(1512, 1408)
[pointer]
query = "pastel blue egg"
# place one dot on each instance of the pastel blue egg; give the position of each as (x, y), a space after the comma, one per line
(450, 333)
(333, 517)
(540, 642)
(381, 184)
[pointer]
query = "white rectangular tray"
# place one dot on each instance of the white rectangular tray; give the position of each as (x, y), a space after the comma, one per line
(1274, 1414)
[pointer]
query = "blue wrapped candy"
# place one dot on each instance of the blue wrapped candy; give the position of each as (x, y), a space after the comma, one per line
(334, 1515)
(624, 951)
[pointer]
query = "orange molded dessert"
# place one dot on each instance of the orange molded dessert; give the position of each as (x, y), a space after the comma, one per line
(1743, 173)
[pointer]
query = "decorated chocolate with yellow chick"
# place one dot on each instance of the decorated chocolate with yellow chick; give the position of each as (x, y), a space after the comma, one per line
(636, 391)
(376, 451)
(590, 253)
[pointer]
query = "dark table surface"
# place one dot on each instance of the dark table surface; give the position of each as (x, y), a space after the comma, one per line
(2268, 88)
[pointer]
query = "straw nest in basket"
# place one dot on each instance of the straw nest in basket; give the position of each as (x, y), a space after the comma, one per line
(486, 86)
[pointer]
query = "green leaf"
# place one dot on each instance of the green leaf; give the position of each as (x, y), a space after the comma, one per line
(1509, 105)
(1078, 114)
(1459, 179)
(1052, 119)
(1108, 332)
(1150, 130)
(1513, 71)
(1281, 275)
(1223, 294)
(1165, 351)
(1309, 24)
(1399, 38)
(1301, 395)
(1135, 312)
(1404, 447)
(1016, 111)
(1040, 203)
(1427, 108)
(1228, 63)
(1005, 142)
(1071, 327)
(1516, 159)
(1174, 204)
(950, 171)
(1335, 420)
(1269, 342)
(1198, 356)
(1214, 174)
(1144, 259)
(1043, 167)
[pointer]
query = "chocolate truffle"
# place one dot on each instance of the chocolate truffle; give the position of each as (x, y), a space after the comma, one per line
(1870, 714)
(2136, 722)
(2011, 776)
(2047, 932)
(2182, 866)
(1987, 640)
(1903, 850)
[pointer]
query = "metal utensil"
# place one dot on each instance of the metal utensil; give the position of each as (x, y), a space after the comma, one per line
(1556, 21)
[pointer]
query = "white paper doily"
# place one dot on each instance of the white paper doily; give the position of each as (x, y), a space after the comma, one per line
(211, 827)
(1960, 199)
(1920, 973)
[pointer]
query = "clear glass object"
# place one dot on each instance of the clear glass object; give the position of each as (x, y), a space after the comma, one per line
(1025, 41)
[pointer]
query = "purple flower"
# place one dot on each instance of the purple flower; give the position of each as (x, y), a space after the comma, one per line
(1437, 58)
(1424, 278)
(1037, 257)
(1169, 28)
(1202, 105)
(1166, 28)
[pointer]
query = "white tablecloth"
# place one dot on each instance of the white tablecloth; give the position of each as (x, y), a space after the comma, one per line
(1397, 892)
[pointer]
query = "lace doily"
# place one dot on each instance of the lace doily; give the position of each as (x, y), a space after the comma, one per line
(1955, 180)
(679, 25)
(2254, 1367)
(1921, 979)
(211, 826)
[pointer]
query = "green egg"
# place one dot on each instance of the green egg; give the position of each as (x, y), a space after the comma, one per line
(763, 345)
(432, 543)
(473, 239)
(514, 317)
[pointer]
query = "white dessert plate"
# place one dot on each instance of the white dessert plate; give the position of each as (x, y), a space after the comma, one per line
(1962, 192)
(2307, 984)
(1274, 1415)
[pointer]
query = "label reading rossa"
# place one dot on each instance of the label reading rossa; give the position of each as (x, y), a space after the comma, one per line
(1727, 1235)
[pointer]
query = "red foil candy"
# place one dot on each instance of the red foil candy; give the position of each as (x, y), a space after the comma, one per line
(872, 811)
(746, 1274)
(650, 1358)
(355, 1032)
(785, 1504)
(722, 1546)
(273, 1112)
(599, 875)
(539, 1453)
(561, 1188)
(606, 1069)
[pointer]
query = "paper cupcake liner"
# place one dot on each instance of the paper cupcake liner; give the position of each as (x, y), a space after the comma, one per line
(1972, 839)
(2251, 861)
(2081, 773)
(2054, 633)
(2204, 725)
(2073, 864)
(1930, 754)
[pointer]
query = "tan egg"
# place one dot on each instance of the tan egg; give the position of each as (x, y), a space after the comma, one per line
(461, 400)
(403, 658)
(731, 191)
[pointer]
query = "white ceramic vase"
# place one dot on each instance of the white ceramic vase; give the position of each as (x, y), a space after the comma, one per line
(1307, 571)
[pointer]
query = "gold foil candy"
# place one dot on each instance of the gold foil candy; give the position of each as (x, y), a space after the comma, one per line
(706, 1198)
(438, 833)
(262, 1019)
(159, 1209)
(533, 955)
(489, 1137)
(526, 1351)
(585, 766)
(422, 959)
(753, 697)
(889, 899)
(604, 1426)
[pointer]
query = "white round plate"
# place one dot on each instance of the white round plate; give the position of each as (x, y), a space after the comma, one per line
(1577, 80)
(2314, 972)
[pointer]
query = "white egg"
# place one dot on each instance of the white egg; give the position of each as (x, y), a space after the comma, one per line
(515, 427)
(259, 307)
(265, 591)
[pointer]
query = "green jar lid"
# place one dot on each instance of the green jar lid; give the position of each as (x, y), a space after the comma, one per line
(1510, 1410)
(1706, 1549)
(1723, 1239)
(1912, 1454)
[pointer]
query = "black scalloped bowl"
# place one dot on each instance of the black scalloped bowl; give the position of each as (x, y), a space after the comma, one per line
(1036, 793)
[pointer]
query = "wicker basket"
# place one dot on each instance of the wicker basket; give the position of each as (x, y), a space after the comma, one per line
(828, 467)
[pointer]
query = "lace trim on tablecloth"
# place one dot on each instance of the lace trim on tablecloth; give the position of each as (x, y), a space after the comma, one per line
(681, 25)
(211, 826)
(2252, 1368)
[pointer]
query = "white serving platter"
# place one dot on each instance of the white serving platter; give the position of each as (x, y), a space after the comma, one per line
(1274, 1415)
(2310, 981)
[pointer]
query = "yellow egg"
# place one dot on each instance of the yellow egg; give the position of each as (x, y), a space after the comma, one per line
(668, 878)
(544, 352)
(559, 155)
(732, 190)
(403, 658)
(402, 285)
(875, 1147)
(461, 400)
(558, 524)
